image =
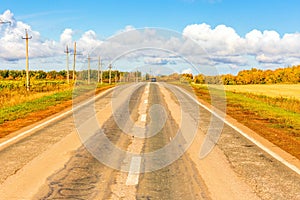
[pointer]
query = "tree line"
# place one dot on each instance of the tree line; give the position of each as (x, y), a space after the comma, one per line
(38, 75)
(116, 75)
(253, 76)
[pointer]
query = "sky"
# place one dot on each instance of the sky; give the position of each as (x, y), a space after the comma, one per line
(209, 36)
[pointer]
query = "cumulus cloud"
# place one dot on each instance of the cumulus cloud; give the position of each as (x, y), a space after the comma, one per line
(221, 40)
(12, 46)
(262, 58)
(88, 41)
(200, 44)
(66, 36)
(187, 71)
(224, 45)
(158, 61)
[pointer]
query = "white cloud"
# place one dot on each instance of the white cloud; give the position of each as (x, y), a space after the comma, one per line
(187, 71)
(262, 58)
(210, 46)
(221, 40)
(224, 45)
(88, 41)
(158, 61)
(12, 46)
(267, 42)
(66, 36)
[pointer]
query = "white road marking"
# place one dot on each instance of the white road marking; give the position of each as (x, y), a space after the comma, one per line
(143, 118)
(13, 139)
(146, 101)
(261, 146)
(134, 171)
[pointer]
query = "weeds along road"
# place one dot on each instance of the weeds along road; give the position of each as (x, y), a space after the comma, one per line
(146, 157)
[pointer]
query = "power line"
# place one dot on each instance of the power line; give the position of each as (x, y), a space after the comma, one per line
(110, 73)
(27, 60)
(89, 69)
(100, 73)
(74, 60)
(68, 73)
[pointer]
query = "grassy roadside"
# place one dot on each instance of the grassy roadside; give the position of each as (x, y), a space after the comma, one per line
(276, 119)
(23, 114)
(21, 110)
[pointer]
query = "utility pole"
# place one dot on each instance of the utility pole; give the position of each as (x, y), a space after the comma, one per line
(98, 80)
(109, 73)
(68, 73)
(100, 74)
(74, 61)
(136, 76)
(27, 60)
(120, 80)
(89, 69)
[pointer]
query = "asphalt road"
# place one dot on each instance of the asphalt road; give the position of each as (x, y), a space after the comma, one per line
(142, 141)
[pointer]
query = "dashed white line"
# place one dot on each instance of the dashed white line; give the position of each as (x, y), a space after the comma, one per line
(145, 101)
(134, 171)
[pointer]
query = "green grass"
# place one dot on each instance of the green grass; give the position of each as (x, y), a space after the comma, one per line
(281, 117)
(280, 112)
(21, 110)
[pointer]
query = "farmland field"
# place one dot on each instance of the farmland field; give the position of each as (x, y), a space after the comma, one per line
(273, 90)
(14, 92)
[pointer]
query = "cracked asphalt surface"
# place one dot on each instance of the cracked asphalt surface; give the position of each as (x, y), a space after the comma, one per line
(84, 177)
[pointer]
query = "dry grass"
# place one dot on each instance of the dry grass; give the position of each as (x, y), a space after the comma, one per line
(273, 90)
(17, 94)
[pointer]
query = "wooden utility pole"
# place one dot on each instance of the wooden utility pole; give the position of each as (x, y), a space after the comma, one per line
(68, 72)
(27, 60)
(89, 69)
(136, 76)
(110, 73)
(100, 74)
(74, 61)
(120, 80)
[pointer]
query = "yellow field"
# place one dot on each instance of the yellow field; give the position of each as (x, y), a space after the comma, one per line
(275, 90)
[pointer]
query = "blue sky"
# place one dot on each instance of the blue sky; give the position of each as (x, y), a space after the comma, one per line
(48, 19)
(106, 17)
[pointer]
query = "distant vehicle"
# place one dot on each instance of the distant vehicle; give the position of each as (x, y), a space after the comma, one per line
(153, 79)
